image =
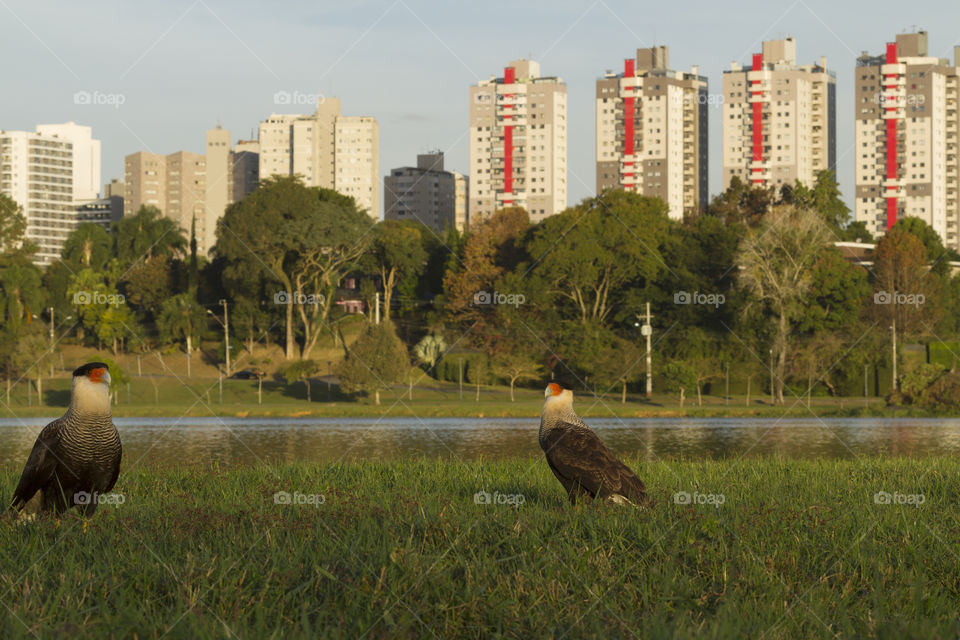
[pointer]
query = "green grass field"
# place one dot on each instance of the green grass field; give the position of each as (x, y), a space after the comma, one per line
(201, 396)
(797, 549)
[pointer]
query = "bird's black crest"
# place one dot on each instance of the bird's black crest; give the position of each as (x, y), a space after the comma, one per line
(87, 368)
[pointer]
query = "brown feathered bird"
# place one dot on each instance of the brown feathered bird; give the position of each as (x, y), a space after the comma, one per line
(77, 456)
(585, 467)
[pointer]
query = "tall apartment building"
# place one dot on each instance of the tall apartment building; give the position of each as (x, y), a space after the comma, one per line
(327, 150)
(779, 118)
(518, 143)
(49, 173)
(191, 188)
(652, 132)
(426, 193)
(907, 136)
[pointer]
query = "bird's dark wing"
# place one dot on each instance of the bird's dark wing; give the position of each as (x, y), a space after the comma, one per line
(581, 457)
(116, 468)
(40, 467)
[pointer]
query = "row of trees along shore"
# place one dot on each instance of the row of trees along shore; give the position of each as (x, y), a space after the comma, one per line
(752, 285)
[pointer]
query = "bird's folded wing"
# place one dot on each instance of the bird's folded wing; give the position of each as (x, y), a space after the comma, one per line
(40, 466)
(581, 456)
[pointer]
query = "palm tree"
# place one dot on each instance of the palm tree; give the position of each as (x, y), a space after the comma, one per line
(20, 294)
(181, 318)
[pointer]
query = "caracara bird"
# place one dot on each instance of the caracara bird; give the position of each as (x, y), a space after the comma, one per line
(582, 463)
(77, 456)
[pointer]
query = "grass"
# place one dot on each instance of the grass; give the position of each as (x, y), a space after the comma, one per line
(400, 549)
(201, 396)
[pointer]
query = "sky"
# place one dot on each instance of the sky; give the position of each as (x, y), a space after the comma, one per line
(160, 74)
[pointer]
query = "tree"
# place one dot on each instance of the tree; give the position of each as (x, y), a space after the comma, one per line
(585, 255)
(396, 252)
(100, 308)
(679, 377)
(742, 203)
(149, 283)
(837, 291)
(145, 234)
(13, 224)
(305, 239)
(776, 267)
(300, 371)
(938, 256)
(89, 246)
(516, 366)
(21, 295)
(375, 360)
(182, 319)
(430, 349)
(824, 198)
(907, 293)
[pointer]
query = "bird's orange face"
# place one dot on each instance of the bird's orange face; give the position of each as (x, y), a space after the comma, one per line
(97, 375)
(553, 389)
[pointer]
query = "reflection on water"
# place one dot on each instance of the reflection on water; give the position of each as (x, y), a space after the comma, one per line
(200, 441)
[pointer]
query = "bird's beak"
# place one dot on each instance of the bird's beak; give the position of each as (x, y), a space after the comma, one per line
(106, 378)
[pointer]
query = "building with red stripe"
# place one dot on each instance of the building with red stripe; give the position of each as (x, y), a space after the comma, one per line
(907, 137)
(518, 143)
(652, 132)
(779, 118)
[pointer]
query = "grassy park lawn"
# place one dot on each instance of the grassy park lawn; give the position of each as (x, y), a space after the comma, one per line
(766, 548)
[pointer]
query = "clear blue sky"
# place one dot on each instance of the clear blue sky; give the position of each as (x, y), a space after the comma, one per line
(183, 66)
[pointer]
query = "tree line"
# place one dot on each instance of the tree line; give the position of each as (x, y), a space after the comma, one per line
(753, 283)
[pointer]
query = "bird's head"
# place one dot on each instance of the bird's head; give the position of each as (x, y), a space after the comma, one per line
(554, 395)
(91, 388)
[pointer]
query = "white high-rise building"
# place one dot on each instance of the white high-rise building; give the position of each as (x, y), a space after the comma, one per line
(779, 118)
(907, 136)
(652, 132)
(327, 150)
(50, 172)
(518, 143)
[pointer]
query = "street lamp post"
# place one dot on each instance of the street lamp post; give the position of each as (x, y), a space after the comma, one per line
(51, 340)
(646, 330)
(226, 334)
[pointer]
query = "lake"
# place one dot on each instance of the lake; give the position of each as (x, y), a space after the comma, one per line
(168, 442)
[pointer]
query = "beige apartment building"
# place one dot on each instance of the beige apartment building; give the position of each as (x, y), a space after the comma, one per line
(50, 172)
(652, 132)
(327, 150)
(907, 137)
(518, 143)
(427, 193)
(191, 188)
(779, 118)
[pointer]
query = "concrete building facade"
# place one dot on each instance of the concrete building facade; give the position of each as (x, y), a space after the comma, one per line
(327, 150)
(652, 132)
(426, 193)
(518, 143)
(49, 172)
(779, 118)
(191, 188)
(907, 137)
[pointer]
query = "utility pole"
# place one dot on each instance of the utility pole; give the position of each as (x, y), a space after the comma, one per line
(893, 328)
(226, 334)
(726, 395)
(646, 329)
(460, 360)
(51, 340)
(377, 316)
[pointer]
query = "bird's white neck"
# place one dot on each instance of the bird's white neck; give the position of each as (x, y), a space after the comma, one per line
(90, 397)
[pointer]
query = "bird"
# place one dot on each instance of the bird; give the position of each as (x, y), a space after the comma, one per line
(76, 457)
(583, 464)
